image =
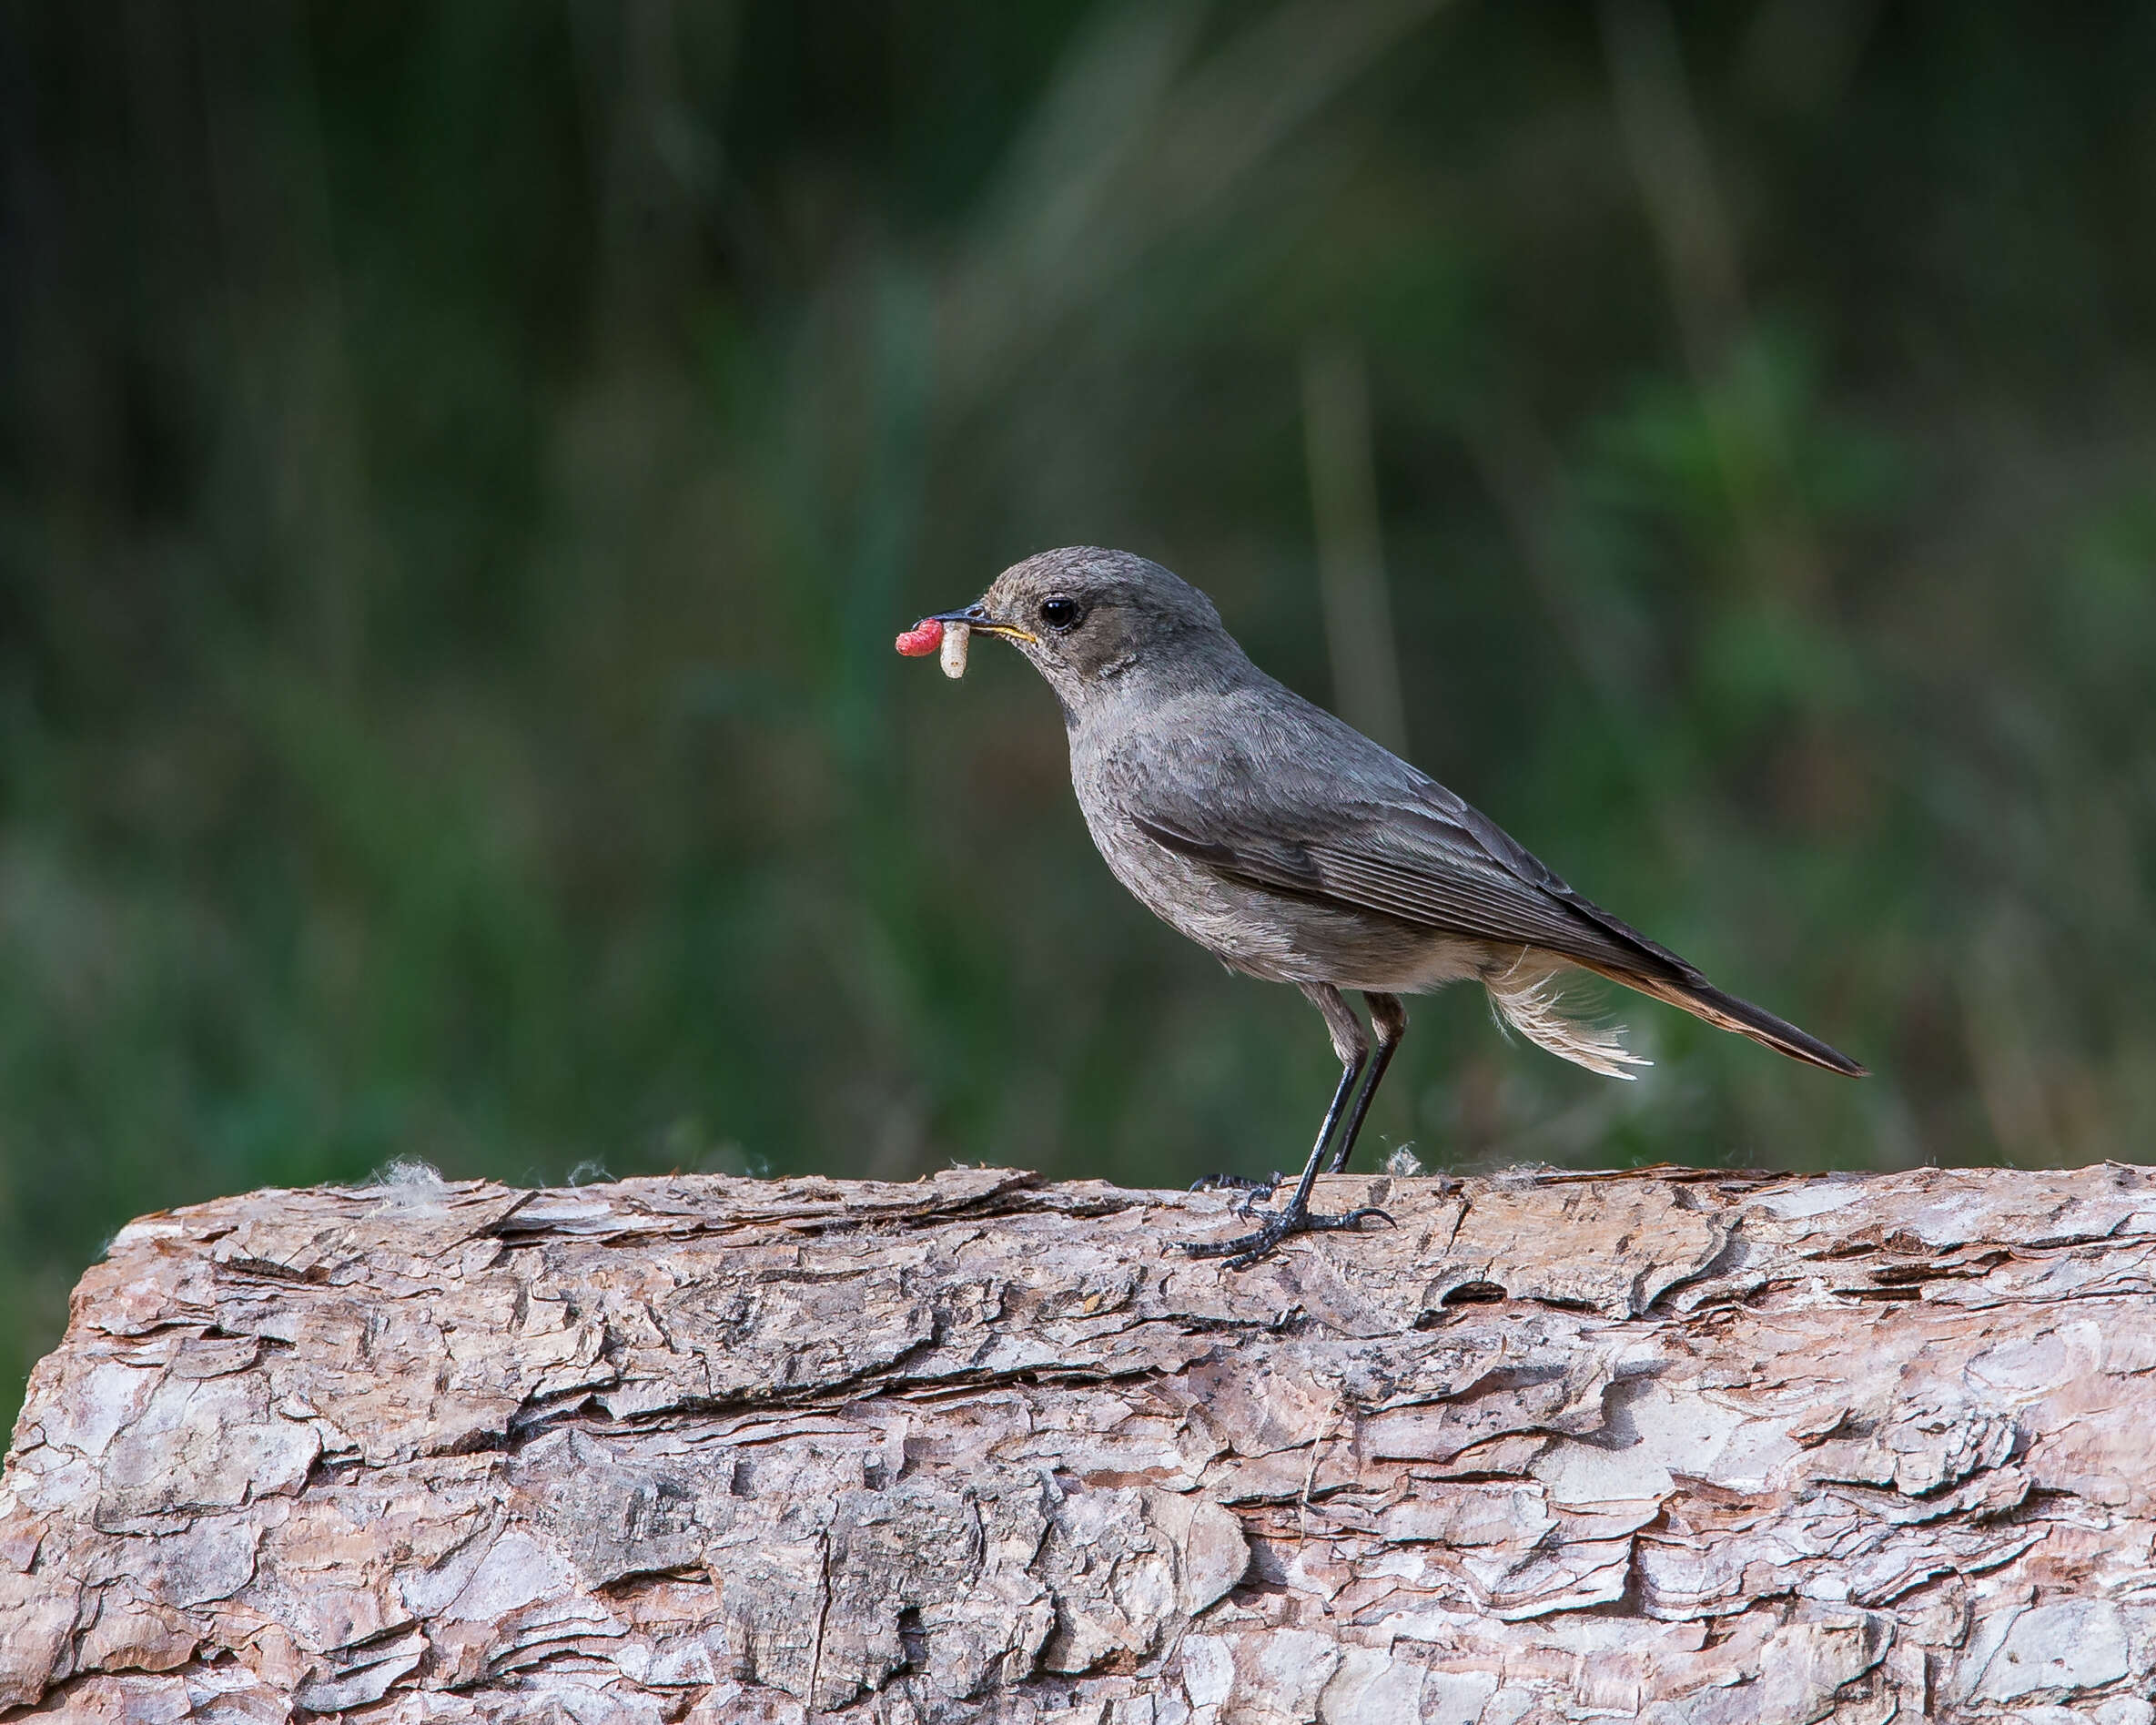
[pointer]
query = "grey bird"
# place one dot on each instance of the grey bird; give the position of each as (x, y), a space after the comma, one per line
(1292, 847)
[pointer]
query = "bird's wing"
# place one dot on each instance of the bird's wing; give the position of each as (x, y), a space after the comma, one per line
(1294, 800)
(1262, 787)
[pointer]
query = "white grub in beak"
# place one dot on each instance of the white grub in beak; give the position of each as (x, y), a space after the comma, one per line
(956, 636)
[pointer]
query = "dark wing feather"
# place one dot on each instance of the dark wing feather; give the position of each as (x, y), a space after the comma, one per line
(1432, 885)
(1267, 789)
(1281, 795)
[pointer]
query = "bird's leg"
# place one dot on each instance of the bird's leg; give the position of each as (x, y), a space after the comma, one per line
(1295, 1217)
(1388, 1018)
(1354, 1048)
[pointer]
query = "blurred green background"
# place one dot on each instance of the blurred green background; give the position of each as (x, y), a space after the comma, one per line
(462, 465)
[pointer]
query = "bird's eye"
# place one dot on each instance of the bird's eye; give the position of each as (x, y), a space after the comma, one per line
(1059, 614)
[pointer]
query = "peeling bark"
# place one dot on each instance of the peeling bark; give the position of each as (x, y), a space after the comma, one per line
(1674, 1445)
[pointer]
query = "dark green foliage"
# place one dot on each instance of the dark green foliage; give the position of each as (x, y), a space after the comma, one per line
(462, 468)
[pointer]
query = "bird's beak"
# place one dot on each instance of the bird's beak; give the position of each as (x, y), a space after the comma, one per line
(975, 616)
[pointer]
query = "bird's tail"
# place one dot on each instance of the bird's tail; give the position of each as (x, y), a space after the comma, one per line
(1702, 1000)
(1529, 996)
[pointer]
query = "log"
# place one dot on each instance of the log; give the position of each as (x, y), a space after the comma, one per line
(1674, 1445)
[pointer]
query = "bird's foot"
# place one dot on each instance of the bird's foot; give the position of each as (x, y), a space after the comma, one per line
(1254, 1191)
(1297, 1218)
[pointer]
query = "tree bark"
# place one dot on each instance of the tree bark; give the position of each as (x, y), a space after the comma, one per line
(1676, 1444)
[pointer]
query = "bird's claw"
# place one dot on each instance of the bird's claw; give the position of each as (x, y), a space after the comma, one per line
(1352, 1219)
(1254, 1191)
(1233, 1183)
(1246, 1249)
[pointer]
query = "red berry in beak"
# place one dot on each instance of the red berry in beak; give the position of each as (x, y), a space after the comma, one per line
(922, 639)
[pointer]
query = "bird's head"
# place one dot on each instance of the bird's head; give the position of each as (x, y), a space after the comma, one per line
(1089, 618)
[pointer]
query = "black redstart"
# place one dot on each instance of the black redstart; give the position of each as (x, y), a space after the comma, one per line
(1294, 849)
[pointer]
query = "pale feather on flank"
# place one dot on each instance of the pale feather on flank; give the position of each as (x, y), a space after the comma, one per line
(1530, 997)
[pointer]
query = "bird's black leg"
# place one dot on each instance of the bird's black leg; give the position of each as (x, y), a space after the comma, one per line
(1354, 1048)
(1388, 1018)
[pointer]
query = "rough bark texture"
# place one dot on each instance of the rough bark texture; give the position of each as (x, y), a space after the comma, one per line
(1674, 1445)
